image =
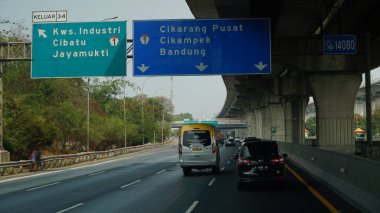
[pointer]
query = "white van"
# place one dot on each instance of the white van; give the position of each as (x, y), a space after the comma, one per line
(198, 148)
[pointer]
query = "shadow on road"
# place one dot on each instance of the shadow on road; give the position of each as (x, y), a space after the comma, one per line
(270, 186)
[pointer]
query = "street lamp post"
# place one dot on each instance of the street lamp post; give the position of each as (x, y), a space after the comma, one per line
(142, 110)
(154, 116)
(111, 18)
(162, 125)
(154, 123)
(1, 108)
(88, 114)
(200, 114)
(88, 101)
(125, 120)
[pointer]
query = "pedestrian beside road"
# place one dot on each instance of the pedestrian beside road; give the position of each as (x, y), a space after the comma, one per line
(34, 160)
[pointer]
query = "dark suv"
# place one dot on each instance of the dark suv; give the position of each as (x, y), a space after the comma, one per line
(259, 161)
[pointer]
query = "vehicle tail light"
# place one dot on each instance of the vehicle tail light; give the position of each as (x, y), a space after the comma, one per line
(244, 162)
(180, 149)
(213, 148)
(278, 160)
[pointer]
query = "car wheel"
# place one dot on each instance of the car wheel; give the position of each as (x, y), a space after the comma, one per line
(186, 171)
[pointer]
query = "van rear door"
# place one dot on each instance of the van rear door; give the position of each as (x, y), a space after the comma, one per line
(196, 145)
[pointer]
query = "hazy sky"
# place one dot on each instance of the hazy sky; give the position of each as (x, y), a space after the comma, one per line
(201, 96)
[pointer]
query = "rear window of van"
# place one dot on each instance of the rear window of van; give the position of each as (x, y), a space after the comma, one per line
(196, 137)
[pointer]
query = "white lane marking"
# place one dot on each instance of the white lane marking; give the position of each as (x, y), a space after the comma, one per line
(130, 184)
(161, 171)
(65, 210)
(191, 208)
(212, 181)
(75, 168)
(96, 173)
(222, 169)
(39, 187)
(228, 162)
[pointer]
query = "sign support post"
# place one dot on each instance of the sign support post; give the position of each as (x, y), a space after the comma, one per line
(9, 51)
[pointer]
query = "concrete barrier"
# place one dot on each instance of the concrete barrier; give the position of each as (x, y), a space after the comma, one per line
(354, 178)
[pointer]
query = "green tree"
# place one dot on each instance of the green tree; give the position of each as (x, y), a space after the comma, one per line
(182, 116)
(360, 122)
(107, 90)
(51, 114)
(376, 122)
(311, 125)
(72, 123)
(27, 128)
(12, 31)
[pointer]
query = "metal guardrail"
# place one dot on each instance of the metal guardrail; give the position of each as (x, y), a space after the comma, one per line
(17, 167)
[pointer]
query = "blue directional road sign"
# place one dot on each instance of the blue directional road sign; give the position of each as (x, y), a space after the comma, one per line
(202, 47)
(339, 44)
(79, 49)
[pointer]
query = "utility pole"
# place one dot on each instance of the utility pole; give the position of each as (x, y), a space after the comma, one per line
(171, 89)
(154, 115)
(162, 125)
(368, 93)
(1, 107)
(142, 110)
(142, 114)
(88, 114)
(125, 120)
(154, 123)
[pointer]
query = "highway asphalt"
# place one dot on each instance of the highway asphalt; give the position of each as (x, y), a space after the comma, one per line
(154, 182)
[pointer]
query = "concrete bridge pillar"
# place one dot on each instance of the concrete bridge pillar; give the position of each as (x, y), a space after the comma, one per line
(259, 122)
(4, 156)
(266, 122)
(238, 133)
(277, 121)
(334, 97)
(251, 124)
(377, 101)
(294, 112)
(288, 121)
(255, 127)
